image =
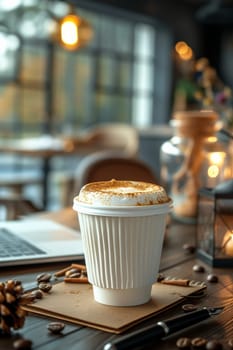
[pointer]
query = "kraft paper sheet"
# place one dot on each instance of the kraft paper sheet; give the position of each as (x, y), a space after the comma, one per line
(75, 303)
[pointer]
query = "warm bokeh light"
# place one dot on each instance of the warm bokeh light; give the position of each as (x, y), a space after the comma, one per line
(213, 171)
(183, 50)
(181, 47)
(212, 139)
(69, 30)
(73, 32)
(217, 158)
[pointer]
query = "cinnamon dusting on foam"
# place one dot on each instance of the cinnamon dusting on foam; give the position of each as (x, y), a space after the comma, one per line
(122, 192)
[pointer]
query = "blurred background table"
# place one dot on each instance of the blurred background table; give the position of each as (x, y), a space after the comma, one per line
(45, 147)
(115, 137)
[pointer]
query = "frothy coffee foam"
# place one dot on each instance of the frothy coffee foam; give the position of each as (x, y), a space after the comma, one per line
(119, 193)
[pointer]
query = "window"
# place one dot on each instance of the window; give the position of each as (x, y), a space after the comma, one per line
(122, 75)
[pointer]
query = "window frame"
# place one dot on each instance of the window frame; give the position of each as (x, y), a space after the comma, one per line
(160, 95)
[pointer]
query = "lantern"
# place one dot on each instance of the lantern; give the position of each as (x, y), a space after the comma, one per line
(215, 225)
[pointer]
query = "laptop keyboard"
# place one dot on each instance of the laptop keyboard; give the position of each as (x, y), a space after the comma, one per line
(14, 246)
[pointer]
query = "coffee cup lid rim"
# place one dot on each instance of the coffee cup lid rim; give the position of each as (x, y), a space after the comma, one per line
(142, 210)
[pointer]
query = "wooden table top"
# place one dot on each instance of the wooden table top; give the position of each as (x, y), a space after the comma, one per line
(175, 262)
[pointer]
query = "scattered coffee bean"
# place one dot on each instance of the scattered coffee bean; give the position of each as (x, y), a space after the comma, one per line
(55, 327)
(160, 277)
(189, 248)
(230, 343)
(45, 287)
(213, 345)
(198, 268)
(22, 344)
(183, 343)
(212, 278)
(37, 294)
(44, 277)
(27, 298)
(30, 297)
(198, 343)
(189, 307)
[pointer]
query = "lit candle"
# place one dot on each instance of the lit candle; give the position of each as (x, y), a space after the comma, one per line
(227, 244)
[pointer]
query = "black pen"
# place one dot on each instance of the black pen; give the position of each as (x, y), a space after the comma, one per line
(161, 329)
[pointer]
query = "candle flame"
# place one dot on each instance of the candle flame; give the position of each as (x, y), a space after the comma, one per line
(227, 244)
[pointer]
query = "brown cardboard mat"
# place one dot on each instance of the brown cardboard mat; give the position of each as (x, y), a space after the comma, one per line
(75, 303)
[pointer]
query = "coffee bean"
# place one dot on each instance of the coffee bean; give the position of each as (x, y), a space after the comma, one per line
(183, 343)
(45, 287)
(22, 344)
(44, 277)
(230, 343)
(55, 327)
(213, 345)
(198, 268)
(189, 248)
(27, 298)
(189, 307)
(198, 343)
(37, 294)
(160, 277)
(212, 278)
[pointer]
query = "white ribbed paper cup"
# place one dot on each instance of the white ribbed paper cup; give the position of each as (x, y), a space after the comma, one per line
(122, 248)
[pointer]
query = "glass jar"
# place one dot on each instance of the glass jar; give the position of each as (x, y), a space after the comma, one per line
(186, 158)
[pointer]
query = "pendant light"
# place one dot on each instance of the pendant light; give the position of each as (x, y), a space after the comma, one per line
(73, 31)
